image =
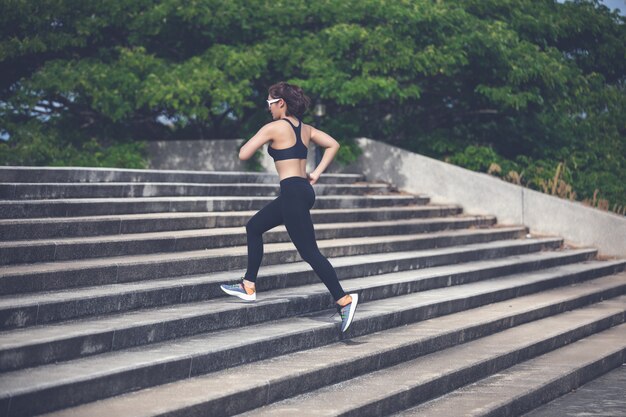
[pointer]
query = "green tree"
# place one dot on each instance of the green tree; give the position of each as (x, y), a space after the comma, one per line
(536, 83)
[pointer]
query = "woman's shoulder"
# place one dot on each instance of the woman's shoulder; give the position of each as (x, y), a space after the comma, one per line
(274, 125)
(280, 123)
(277, 122)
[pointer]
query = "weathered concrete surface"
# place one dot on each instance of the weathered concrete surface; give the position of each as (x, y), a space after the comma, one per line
(480, 193)
(173, 324)
(81, 175)
(252, 385)
(532, 383)
(207, 155)
(601, 397)
(201, 155)
(393, 389)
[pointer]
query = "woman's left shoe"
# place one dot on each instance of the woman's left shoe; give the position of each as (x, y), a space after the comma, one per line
(347, 312)
(239, 290)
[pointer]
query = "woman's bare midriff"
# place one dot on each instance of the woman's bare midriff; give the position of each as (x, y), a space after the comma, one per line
(291, 168)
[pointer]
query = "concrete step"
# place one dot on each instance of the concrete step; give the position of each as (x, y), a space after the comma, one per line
(36, 191)
(56, 386)
(62, 249)
(109, 298)
(107, 206)
(64, 341)
(401, 386)
(101, 271)
(254, 385)
(95, 175)
(604, 396)
(48, 228)
(534, 382)
(490, 260)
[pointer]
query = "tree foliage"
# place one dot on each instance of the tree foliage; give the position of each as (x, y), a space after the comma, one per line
(535, 83)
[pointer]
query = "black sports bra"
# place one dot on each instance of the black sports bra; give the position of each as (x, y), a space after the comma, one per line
(297, 151)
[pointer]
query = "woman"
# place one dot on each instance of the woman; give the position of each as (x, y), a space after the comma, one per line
(290, 139)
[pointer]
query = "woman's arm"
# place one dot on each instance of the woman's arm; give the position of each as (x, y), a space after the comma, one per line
(264, 135)
(325, 141)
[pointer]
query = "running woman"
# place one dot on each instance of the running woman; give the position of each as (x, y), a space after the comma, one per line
(290, 139)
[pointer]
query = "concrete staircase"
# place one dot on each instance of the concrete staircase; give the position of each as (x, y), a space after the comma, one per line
(110, 302)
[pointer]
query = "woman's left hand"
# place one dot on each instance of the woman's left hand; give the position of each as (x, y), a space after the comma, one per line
(313, 177)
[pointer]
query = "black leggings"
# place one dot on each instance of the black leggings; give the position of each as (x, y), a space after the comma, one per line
(291, 208)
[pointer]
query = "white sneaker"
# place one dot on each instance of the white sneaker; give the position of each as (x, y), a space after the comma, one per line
(347, 312)
(239, 290)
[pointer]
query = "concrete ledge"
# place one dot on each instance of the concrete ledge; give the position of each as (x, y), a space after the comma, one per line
(208, 155)
(195, 155)
(480, 193)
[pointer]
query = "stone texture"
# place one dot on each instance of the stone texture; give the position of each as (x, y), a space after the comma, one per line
(60, 249)
(112, 306)
(48, 307)
(236, 388)
(603, 397)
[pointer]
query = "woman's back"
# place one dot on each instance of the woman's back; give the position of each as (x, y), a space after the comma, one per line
(289, 147)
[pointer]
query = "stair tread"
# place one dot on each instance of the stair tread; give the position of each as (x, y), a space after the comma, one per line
(175, 215)
(198, 173)
(269, 373)
(53, 191)
(159, 315)
(502, 388)
(205, 198)
(151, 216)
(602, 394)
(83, 293)
(447, 299)
(233, 250)
(362, 390)
(12, 383)
(206, 184)
(217, 231)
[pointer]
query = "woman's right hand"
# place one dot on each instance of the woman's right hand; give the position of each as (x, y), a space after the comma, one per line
(313, 177)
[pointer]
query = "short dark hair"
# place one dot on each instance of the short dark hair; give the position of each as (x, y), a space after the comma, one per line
(297, 101)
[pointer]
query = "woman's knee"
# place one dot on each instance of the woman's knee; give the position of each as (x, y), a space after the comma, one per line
(312, 256)
(252, 228)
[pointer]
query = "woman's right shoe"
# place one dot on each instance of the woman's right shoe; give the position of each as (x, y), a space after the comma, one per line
(239, 290)
(347, 312)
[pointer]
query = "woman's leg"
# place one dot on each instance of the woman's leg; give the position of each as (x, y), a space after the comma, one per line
(297, 219)
(265, 219)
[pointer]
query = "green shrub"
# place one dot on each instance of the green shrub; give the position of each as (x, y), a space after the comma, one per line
(601, 188)
(36, 146)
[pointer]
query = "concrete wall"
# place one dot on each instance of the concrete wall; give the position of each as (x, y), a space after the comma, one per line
(478, 193)
(195, 155)
(206, 155)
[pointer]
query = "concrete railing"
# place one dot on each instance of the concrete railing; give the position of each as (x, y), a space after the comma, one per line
(478, 193)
